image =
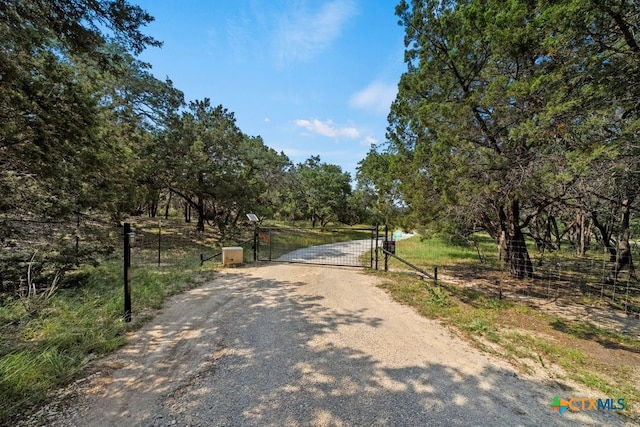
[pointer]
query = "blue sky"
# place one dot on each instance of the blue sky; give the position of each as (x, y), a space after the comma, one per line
(311, 77)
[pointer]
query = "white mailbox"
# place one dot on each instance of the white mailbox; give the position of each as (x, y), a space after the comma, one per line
(232, 255)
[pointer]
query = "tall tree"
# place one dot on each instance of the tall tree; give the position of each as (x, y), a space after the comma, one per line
(69, 129)
(511, 112)
(471, 90)
(51, 111)
(478, 130)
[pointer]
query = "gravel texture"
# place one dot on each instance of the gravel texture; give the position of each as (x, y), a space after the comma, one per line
(299, 345)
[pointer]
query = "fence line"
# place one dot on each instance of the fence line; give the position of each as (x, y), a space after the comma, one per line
(592, 278)
(38, 248)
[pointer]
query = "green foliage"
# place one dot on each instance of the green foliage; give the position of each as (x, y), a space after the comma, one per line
(46, 342)
(318, 192)
(66, 73)
(216, 169)
(505, 120)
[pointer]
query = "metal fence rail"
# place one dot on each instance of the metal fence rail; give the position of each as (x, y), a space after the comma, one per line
(347, 247)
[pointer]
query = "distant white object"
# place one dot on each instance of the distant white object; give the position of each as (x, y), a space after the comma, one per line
(252, 217)
(401, 235)
(232, 255)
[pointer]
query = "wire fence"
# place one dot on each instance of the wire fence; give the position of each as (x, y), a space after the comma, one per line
(37, 255)
(593, 279)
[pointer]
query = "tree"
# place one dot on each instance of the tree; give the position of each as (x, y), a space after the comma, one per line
(72, 99)
(380, 180)
(471, 91)
(320, 191)
(478, 128)
(512, 113)
(216, 169)
(603, 39)
(52, 112)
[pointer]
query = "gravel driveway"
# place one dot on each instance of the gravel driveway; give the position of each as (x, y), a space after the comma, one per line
(304, 345)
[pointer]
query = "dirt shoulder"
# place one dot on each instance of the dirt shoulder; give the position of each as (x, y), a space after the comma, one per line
(303, 345)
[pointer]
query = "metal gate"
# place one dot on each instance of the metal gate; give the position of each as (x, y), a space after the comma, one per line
(348, 247)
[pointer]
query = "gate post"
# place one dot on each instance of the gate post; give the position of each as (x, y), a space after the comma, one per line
(255, 242)
(386, 255)
(377, 240)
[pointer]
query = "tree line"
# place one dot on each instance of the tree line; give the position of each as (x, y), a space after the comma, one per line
(519, 118)
(85, 127)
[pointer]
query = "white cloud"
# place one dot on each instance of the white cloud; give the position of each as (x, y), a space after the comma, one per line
(302, 34)
(328, 129)
(376, 98)
(369, 140)
(267, 119)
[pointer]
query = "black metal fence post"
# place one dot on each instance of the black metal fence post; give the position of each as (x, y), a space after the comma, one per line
(127, 269)
(377, 243)
(255, 242)
(159, 240)
(386, 255)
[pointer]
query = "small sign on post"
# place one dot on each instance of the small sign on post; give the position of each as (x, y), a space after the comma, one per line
(254, 219)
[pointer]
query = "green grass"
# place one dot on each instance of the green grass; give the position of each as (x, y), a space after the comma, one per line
(46, 342)
(439, 251)
(591, 332)
(479, 318)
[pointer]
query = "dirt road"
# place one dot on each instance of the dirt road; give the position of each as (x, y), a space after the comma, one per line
(304, 345)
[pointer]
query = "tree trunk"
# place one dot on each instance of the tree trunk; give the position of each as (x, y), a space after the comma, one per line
(200, 203)
(623, 258)
(556, 232)
(166, 209)
(187, 212)
(581, 247)
(200, 211)
(512, 247)
(605, 233)
(153, 206)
